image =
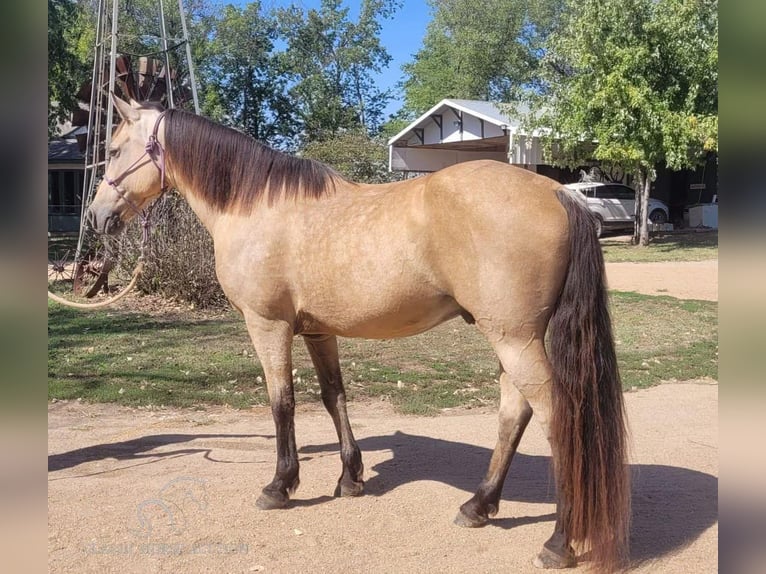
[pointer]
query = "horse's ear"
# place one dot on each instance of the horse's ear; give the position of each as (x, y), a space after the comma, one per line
(126, 111)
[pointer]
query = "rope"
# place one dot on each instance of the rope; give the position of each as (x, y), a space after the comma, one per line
(101, 304)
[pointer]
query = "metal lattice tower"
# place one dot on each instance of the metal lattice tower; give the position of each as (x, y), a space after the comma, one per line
(153, 65)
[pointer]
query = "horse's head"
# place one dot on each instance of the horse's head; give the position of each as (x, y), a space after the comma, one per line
(133, 176)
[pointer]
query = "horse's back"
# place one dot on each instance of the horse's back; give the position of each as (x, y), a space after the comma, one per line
(497, 183)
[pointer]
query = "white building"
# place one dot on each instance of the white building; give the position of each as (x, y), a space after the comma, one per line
(454, 131)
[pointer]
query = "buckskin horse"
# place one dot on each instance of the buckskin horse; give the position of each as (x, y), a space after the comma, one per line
(300, 250)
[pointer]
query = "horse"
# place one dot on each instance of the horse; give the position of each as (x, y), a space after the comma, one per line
(300, 250)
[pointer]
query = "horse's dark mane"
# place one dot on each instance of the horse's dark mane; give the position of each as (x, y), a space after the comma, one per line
(232, 171)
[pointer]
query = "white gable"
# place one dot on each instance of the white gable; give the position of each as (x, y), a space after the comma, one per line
(455, 131)
(453, 120)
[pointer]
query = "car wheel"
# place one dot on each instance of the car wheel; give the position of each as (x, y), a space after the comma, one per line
(599, 225)
(658, 216)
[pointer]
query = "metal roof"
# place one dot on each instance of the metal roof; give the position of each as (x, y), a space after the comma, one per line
(65, 151)
(488, 111)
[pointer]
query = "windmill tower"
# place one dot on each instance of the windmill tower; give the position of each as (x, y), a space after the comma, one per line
(141, 52)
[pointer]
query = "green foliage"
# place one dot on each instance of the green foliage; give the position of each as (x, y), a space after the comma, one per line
(490, 53)
(240, 74)
(639, 78)
(72, 34)
(285, 76)
(67, 68)
(329, 62)
(140, 26)
(355, 154)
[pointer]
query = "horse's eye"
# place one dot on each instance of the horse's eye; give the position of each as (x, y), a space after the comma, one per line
(114, 152)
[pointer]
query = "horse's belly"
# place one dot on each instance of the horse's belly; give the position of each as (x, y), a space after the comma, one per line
(372, 322)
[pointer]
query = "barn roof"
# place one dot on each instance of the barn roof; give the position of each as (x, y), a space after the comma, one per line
(492, 112)
(66, 149)
(456, 130)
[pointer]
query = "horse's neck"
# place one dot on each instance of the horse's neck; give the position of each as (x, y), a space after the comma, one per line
(208, 215)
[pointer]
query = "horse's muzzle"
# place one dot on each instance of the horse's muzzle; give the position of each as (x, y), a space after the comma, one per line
(109, 223)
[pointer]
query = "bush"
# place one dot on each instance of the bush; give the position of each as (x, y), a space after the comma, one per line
(180, 262)
(355, 155)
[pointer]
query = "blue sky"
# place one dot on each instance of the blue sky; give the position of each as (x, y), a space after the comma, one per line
(401, 35)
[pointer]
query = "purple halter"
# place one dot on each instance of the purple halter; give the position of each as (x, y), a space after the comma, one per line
(156, 153)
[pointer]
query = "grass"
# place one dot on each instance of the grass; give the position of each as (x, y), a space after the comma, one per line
(674, 246)
(138, 359)
(61, 245)
(194, 359)
(660, 338)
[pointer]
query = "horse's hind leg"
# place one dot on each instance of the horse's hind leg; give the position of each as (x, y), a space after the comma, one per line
(324, 354)
(527, 364)
(514, 415)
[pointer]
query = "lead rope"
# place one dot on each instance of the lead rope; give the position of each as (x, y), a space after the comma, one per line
(156, 154)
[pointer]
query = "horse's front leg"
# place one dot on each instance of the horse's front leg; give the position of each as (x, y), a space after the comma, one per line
(273, 342)
(324, 354)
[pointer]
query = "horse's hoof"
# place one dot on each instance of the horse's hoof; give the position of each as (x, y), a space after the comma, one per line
(349, 488)
(271, 501)
(470, 520)
(549, 560)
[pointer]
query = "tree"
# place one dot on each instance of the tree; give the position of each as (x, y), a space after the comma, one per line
(72, 34)
(67, 69)
(492, 53)
(632, 83)
(240, 75)
(330, 61)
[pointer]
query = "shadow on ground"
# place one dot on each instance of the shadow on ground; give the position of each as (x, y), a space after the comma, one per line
(672, 506)
(139, 448)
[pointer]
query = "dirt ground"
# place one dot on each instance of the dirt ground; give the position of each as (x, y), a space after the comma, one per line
(681, 279)
(170, 490)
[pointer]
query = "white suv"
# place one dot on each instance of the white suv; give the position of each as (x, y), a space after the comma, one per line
(614, 205)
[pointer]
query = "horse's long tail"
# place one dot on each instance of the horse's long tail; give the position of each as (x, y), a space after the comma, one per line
(587, 420)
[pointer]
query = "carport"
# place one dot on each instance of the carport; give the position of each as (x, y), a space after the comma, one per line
(454, 131)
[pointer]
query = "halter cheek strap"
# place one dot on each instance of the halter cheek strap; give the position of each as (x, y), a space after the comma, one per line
(156, 152)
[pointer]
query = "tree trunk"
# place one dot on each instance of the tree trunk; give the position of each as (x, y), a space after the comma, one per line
(359, 99)
(641, 226)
